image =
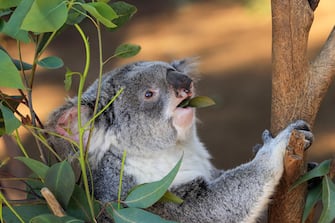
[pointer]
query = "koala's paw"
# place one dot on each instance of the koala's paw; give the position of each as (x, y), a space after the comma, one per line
(304, 128)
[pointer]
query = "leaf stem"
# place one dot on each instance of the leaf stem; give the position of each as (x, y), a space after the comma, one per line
(82, 158)
(121, 177)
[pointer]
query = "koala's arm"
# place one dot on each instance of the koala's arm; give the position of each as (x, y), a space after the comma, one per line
(237, 195)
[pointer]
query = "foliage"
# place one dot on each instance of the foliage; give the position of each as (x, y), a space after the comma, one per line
(323, 191)
(38, 22)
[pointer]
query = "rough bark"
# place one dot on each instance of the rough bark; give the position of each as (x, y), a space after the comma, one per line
(298, 88)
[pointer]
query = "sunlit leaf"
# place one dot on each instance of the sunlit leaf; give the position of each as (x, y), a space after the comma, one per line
(12, 27)
(5, 4)
(45, 16)
(127, 50)
(135, 215)
(39, 168)
(8, 121)
(145, 195)
(102, 12)
(60, 179)
(9, 75)
(52, 62)
(313, 196)
(171, 197)
(197, 102)
(328, 201)
(321, 170)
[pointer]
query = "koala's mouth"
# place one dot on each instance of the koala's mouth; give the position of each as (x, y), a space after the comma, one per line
(184, 103)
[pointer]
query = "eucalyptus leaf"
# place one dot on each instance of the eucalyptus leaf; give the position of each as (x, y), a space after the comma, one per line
(313, 196)
(127, 215)
(39, 168)
(9, 75)
(127, 50)
(321, 170)
(102, 12)
(328, 201)
(26, 212)
(8, 121)
(20, 65)
(12, 27)
(171, 197)
(51, 62)
(125, 12)
(5, 4)
(45, 16)
(76, 13)
(145, 195)
(78, 206)
(46, 218)
(197, 102)
(11, 101)
(60, 180)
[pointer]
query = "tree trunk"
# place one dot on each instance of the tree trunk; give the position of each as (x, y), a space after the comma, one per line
(298, 88)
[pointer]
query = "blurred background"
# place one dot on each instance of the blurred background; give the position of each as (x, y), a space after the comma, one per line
(233, 42)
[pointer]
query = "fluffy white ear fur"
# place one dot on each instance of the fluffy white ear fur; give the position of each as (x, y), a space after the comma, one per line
(188, 66)
(67, 124)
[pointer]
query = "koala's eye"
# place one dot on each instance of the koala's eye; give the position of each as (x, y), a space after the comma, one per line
(149, 94)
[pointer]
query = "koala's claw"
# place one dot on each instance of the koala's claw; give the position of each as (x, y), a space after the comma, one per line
(305, 129)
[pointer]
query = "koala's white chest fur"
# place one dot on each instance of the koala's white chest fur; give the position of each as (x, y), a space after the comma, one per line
(154, 166)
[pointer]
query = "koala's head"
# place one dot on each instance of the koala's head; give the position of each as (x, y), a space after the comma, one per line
(145, 117)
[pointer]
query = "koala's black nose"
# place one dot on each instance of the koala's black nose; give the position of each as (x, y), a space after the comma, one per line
(178, 80)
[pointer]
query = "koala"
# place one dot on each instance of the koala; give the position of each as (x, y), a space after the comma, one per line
(146, 121)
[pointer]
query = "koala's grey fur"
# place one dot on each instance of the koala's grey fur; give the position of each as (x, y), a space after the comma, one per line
(155, 135)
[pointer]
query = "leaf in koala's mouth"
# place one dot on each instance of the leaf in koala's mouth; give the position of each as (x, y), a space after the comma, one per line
(197, 102)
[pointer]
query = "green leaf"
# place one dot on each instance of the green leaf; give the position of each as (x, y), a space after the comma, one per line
(76, 14)
(102, 12)
(135, 215)
(313, 196)
(39, 168)
(12, 27)
(145, 195)
(49, 218)
(8, 121)
(22, 65)
(68, 79)
(78, 206)
(201, 102)
(171, 197)
(27, 212)
(125, 12)
(9, 75)
(60, 180)
(127, 50)
(5, 4)
(52, 62)
(45, 16)
(321, 170)
(328, 200)
(69, 219)
(46, 218)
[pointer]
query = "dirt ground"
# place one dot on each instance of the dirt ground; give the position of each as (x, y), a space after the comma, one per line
(233, 44)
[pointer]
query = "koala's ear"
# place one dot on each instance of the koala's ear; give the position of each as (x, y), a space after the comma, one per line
(67, 122)
(188, 66)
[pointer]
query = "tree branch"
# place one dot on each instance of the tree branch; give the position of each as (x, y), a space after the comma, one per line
(297, 91)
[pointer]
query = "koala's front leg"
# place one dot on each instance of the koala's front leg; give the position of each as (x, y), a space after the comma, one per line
(240, 194)
(274, 148)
